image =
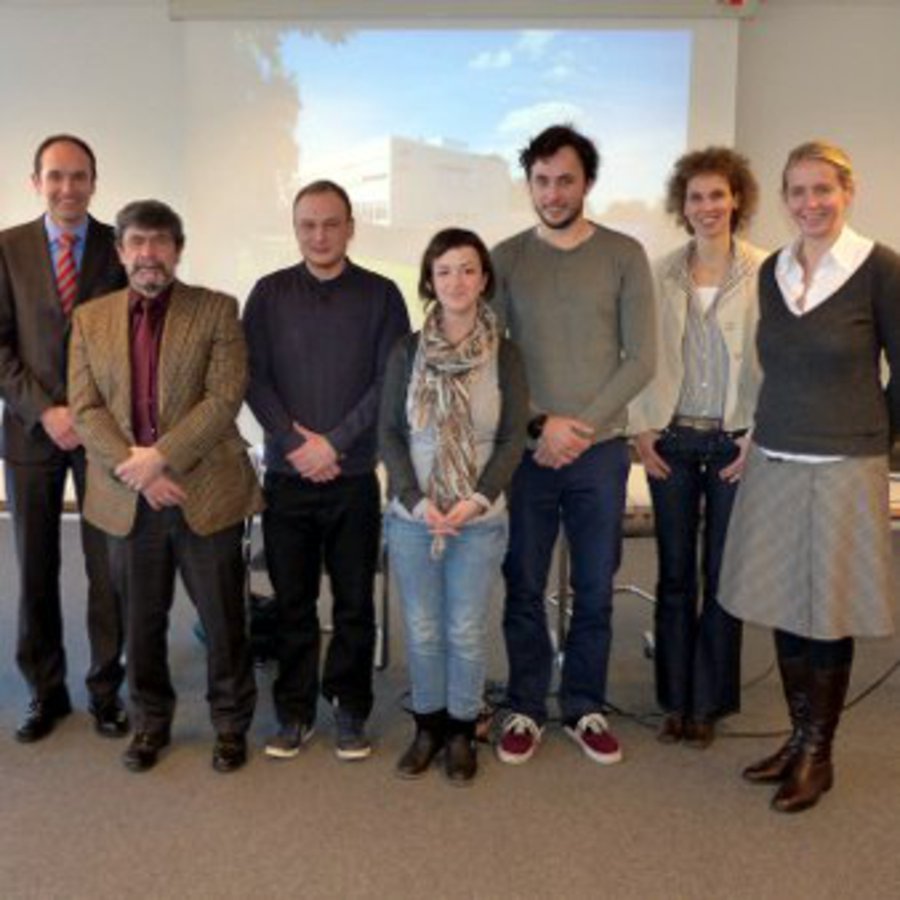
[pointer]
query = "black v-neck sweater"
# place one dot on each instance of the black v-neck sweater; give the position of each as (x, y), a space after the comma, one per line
(821, 391)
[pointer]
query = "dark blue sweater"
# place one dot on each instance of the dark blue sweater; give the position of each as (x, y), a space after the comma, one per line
(318, 351)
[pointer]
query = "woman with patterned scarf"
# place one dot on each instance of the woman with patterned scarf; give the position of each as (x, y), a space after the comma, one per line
(452, 429)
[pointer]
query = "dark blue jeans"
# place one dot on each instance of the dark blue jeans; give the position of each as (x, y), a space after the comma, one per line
(588, 498)
(698, 650)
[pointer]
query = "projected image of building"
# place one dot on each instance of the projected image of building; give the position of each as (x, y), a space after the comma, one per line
(404, 189)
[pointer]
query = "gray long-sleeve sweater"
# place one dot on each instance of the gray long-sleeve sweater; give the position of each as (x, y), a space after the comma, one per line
(584, 320)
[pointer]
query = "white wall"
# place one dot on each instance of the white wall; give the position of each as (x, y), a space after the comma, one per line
(831, 70)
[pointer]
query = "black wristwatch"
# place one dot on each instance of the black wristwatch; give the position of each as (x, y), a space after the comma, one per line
(536, 426)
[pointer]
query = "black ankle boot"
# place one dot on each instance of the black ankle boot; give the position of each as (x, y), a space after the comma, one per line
(429, 739)
(461, 756)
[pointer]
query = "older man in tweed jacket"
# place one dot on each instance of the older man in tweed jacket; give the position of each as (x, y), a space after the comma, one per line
(157, 374)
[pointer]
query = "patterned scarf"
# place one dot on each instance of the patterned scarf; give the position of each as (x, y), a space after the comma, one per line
(439, 394)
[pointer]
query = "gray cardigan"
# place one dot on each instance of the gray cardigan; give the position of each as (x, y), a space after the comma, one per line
(393, 425)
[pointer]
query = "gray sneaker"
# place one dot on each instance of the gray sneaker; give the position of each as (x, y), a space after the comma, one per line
(287, 741)
(352, 742)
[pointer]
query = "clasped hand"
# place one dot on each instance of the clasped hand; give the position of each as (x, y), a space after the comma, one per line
(315, 458)
(452, 521)
(562, 441)
(143, 471)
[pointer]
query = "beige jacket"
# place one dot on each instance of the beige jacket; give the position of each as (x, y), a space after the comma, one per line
(737, 312)
(202, 378)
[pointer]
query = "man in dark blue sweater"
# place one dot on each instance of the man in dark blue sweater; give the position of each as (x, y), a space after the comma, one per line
(319, 334)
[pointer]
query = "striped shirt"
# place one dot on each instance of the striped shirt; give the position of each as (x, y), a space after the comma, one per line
(705, 356)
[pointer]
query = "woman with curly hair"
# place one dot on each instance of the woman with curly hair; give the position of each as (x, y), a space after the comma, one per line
(691, 425)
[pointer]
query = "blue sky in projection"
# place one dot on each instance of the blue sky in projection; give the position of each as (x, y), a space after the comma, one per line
(489, 91)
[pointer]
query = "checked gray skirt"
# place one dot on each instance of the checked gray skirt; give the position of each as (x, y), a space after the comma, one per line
(809, 548)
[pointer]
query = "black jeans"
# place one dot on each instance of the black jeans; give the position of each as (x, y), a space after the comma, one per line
(306, 525)
(35, 494)
(698, 650)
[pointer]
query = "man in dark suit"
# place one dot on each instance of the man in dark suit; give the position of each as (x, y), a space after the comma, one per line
(157, 375)
(48, 267)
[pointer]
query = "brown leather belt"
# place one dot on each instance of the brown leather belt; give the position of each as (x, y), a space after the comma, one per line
(697, 423)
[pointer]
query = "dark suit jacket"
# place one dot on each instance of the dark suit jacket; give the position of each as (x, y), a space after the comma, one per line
(33, 329)
(202, 379)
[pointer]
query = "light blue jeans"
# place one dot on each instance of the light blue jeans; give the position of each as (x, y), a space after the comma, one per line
(445, 604)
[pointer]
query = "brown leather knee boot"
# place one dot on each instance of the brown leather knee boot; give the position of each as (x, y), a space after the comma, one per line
(795, 676)
(812, 774)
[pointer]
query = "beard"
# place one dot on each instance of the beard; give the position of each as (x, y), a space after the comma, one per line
(561, 224)
(150, 287)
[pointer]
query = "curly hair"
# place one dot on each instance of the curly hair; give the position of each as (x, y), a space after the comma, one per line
(724, 161)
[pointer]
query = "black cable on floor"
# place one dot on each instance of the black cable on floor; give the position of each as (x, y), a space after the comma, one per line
(495, 697)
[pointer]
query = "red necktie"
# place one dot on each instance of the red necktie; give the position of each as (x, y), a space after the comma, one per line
(67, 273)
(143, 362)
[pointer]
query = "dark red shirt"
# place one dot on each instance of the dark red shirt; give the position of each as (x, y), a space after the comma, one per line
(146, 318)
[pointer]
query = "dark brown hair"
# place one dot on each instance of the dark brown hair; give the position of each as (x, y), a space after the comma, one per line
(452, 239)
(152, 215)
(551, 140)
(64, 139)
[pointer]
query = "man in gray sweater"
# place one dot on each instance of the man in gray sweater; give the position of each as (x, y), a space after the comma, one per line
(578, 300)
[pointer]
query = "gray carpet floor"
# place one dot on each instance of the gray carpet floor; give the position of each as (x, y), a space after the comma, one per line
(670, 822)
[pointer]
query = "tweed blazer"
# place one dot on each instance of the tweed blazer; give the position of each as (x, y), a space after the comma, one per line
(34, 330)
(737, 313)
(202, 379)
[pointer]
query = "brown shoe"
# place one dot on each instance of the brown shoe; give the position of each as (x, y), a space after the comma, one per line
(776, 767)
(699, 733)
(671, 730)
(809, 779)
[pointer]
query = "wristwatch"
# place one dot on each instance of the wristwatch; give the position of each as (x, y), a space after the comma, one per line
(536, 426)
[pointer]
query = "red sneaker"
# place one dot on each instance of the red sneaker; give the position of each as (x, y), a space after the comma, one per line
(520, 738)
(592, 734)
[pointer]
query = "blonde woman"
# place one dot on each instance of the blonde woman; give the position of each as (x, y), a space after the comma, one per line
(808, 551)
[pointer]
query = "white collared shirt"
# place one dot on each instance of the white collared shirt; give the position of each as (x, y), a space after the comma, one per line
(834, 269)
(845, 256)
